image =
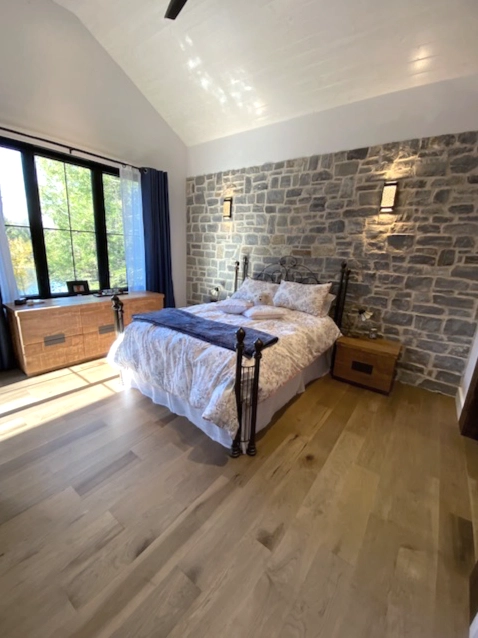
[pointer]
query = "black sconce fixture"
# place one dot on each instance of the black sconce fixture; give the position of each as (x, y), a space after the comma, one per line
(389, 194)
(227, 208)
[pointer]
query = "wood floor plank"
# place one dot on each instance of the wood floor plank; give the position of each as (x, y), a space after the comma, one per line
(161, 611)
(358, 518)
(211, 612)
(97, 475)
(136, 581)
(321, 601)
(79, 542)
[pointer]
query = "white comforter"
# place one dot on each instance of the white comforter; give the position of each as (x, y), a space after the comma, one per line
(203, 375)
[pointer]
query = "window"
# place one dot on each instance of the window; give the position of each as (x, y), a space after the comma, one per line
(114, 231)
(63, 218)
(17, 225)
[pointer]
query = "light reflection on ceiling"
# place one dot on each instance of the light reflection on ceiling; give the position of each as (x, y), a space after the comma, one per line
(225, 66)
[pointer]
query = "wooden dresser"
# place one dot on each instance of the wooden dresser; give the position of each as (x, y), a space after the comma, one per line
(370, 363)
(66, 331)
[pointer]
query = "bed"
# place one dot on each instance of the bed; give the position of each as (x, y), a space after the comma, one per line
(229, 396)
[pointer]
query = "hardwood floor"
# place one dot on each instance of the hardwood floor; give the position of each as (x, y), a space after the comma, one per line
(358, 517)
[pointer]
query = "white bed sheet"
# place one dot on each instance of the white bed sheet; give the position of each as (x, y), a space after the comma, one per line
(265, 410)
(202, 375)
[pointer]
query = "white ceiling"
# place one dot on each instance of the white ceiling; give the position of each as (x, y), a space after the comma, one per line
(226, 66)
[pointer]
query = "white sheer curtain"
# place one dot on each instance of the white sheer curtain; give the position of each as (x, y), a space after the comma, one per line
(8, 285)
(133, 228)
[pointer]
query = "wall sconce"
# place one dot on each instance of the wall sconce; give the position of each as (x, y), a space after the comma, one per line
(389, 194)
(227, 208)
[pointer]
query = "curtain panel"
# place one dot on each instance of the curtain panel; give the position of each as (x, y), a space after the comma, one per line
(9, 288)
(157, 234)
(133, 228)
(7, 357)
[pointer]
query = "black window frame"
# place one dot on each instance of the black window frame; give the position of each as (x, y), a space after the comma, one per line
(29, 151)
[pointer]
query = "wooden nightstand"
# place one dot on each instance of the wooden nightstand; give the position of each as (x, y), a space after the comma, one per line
(370, 363)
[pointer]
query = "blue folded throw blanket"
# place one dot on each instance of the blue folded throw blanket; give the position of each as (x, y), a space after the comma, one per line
(214, 332)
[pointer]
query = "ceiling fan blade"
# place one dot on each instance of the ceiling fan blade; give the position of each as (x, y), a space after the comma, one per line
(174, 9)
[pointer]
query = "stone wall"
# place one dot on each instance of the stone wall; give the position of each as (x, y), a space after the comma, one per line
(416, 269)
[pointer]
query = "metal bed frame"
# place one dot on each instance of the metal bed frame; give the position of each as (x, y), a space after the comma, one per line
(246, 385)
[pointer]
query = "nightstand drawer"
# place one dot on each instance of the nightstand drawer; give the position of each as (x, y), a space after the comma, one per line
(373, 370)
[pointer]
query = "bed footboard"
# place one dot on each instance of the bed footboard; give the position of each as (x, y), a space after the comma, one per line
(118, 309)
(246, 388)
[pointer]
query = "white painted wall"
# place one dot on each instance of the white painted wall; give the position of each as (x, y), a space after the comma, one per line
(444, 107)
(56, 81)
(474, 628)
(465, 383)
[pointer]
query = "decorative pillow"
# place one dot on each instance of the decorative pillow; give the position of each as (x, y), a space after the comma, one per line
(304, 297)
(264, 312)
(265, 299)
(234, 306)
(251, 288)
(329, 300)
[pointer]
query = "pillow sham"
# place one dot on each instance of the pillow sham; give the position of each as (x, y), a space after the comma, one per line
(264, 312)
(234, 306)
(329, 300)
(250, 289)
(304, 297)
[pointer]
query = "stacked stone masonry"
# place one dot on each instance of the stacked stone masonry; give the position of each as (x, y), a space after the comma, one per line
(416, 269)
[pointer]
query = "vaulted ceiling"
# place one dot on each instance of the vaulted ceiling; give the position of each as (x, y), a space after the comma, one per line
(226, 66)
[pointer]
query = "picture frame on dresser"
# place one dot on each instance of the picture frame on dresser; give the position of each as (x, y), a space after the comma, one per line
(79, 287)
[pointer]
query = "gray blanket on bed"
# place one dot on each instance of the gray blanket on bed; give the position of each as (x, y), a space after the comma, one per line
(214, 332)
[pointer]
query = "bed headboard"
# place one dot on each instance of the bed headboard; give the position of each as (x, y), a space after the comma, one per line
(289, 269)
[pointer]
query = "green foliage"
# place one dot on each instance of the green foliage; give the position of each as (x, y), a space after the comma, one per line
(114, 228)
(66, 201)
(21, 252)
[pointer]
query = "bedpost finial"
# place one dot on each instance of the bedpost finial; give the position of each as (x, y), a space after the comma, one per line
(240, 335)
(116, 302)
(258, 345)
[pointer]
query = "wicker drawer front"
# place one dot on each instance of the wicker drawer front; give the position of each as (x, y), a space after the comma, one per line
(36, 326)
(136, 306)
(54, 352)
(372, 370)
(95, 318)
(97, 344)
(64, 332)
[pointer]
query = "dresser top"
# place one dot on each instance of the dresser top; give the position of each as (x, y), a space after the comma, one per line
(79, 300)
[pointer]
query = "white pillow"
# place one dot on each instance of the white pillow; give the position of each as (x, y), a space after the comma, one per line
(233, 306)
(329, 300)
(264, 312)
(252, 288)
(307, 298)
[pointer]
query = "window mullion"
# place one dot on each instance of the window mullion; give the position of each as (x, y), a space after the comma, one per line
(36, 226)
(100, 228)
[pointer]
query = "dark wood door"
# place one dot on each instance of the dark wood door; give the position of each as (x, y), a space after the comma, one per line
(469, 414)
